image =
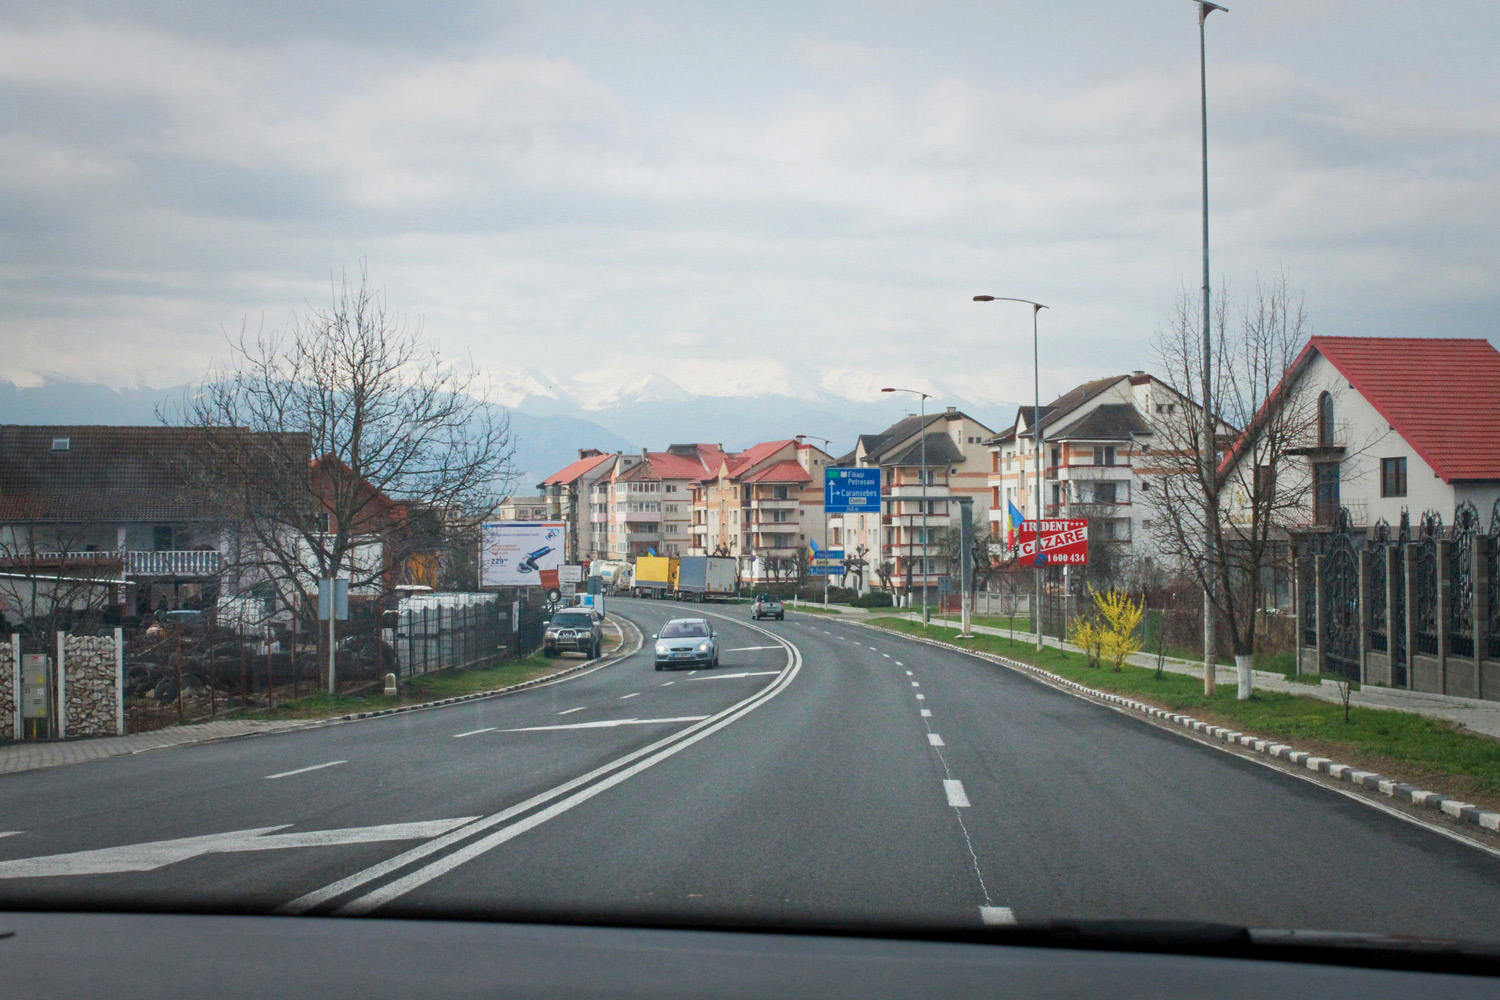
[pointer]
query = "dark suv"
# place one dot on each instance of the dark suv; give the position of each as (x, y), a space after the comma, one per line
(573, 630)
(767, 606)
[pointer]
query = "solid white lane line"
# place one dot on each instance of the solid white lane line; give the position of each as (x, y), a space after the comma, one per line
(993, 916)
(570, 711)
(955, 792)
(746, 649)
(10, 833)
(605, 724)
(474, 732)
(746, 673)
(659, 751)
(926, 713)
(933, 739)
(630, 695)
(304, 770)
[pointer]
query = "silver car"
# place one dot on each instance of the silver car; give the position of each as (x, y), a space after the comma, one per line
(687, 642)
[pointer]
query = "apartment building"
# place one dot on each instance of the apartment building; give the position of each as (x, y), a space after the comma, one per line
(918, 497)
(1097, 463)
(762, 506)
(578, 495)
(651, 502)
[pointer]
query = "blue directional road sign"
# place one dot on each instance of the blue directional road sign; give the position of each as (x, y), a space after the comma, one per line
(851, 491)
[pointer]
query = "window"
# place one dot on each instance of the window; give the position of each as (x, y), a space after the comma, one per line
(1105, 492)
(1265, 482)
(1393, 477)
(161, 537)
(1104, 454)
(1325, 419)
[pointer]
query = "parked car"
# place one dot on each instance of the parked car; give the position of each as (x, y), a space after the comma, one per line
(766, 606)
(687, 642)
(573, 630)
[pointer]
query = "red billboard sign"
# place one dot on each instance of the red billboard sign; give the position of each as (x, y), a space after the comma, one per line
(1065, 541)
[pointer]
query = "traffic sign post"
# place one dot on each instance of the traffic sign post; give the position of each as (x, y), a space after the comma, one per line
(851, 491)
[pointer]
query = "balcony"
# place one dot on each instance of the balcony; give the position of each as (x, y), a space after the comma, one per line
(913, 491)
(768, 503)
(598, 517)
(1095, 473)
(634, 537)
(174, 562)
(638, 516)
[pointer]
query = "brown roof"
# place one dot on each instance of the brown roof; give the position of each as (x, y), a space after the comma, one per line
(573, 470)
(111, 474)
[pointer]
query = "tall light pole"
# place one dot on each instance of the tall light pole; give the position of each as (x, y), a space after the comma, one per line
(922, 431)
(1210, 453)
(826, 445)
(1036, 433)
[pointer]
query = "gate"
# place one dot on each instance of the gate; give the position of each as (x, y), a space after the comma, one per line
(1340, 598)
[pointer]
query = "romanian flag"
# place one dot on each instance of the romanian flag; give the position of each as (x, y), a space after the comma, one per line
(1014, 519)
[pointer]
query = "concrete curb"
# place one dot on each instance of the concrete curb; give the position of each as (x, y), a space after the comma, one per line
(1465, 812)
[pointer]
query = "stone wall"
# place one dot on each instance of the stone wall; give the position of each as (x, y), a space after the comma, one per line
(7, 692)
(93, 705)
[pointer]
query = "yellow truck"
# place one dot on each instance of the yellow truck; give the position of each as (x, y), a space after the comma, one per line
(655, 576)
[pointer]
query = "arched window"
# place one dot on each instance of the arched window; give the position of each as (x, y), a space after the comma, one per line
(1325, 419)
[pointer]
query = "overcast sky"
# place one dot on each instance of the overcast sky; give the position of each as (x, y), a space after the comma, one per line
(618, 187)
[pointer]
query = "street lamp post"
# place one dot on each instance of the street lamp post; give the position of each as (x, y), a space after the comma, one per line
(1036, 433)
(826, 445)
(1210, 463)
(922, 477)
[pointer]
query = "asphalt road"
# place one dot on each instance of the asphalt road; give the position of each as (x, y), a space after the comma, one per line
(823, 772)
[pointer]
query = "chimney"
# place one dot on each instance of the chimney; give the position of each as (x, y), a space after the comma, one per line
(952, 409)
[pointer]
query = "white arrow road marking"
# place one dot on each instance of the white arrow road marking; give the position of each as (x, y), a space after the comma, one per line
(155, 854)
(747, 673)
(606, 724)
(473, 732)
(304, 770)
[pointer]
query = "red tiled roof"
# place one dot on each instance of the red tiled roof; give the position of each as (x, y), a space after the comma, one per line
(1441, 394)
(670, 466)
(789, 471)
(756, 453)
(571, 472)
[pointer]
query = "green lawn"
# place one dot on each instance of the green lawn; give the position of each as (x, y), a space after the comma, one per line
(814, 609)
(1428, 752)
(416, 690)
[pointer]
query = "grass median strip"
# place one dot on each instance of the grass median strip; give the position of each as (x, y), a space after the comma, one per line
(1431, 753)
(417, 690)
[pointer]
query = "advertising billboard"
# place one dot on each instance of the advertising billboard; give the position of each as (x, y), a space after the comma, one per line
(1065, 541)
(517, 553)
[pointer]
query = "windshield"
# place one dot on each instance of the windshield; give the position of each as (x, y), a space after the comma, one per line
(1108, 399)
(678, 630)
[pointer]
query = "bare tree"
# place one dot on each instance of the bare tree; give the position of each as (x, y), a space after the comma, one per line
(52, 572)
(1237, 509)
(390, 426)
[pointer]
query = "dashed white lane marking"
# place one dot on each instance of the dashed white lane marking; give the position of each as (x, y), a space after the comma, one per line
(570, 711)
(607, 724)
(745, 673)
(630, 695)
(669, 684)
(900, 664)
(933, 739)
(910, 674)
(921, 697)
(926, 713)
(692, 672)
(474, 732)
(886, 655)
(10, 833)
(304, 770)
(915, 684)
(995, 915)
(954, 789)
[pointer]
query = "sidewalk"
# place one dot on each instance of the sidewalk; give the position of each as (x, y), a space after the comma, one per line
(1477, 716)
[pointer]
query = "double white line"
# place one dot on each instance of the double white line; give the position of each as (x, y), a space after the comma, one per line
(581, 788)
